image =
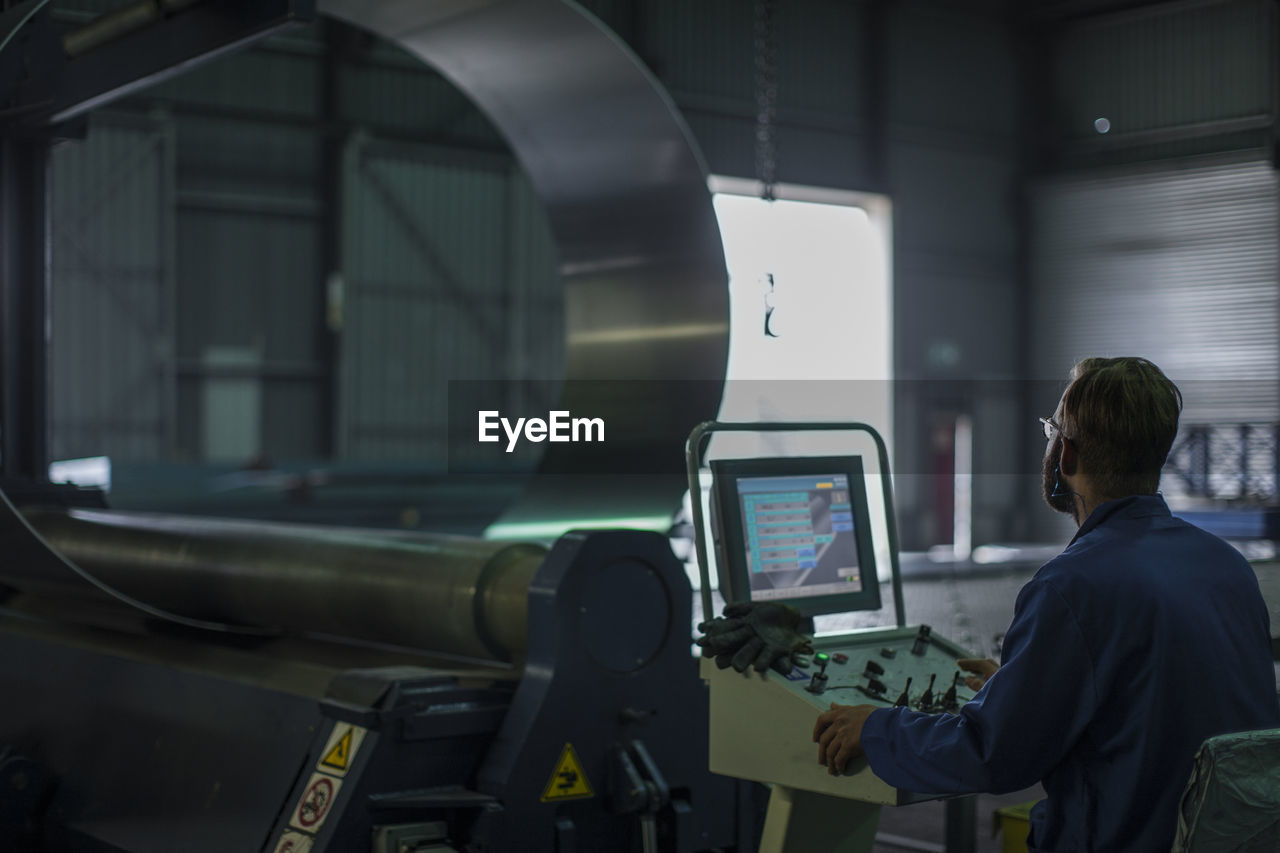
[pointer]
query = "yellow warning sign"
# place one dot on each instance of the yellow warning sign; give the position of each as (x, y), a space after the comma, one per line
(340, 755)
(340, 749)
(567, 781)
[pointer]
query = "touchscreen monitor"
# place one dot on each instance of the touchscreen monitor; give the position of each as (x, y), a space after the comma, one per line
(796, 530)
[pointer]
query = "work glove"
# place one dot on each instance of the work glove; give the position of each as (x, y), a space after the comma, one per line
(759, 634)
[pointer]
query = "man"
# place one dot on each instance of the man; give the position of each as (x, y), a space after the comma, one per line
(1142, 639)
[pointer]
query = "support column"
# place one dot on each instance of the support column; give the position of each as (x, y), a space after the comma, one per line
(337, 49)
(962, 825)
(24, 307)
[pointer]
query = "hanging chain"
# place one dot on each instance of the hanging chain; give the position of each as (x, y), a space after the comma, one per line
(766, 61)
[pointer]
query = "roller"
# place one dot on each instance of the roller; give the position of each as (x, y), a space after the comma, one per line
(445, 594)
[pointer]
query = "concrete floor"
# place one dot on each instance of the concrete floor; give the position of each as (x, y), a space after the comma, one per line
(922, 826)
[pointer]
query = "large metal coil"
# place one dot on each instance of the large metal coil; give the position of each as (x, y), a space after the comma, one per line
(444, 594)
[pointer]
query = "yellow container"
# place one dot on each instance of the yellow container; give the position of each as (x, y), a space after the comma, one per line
(1013, 823)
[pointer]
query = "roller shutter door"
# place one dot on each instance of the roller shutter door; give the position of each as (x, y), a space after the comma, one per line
(1179, 266)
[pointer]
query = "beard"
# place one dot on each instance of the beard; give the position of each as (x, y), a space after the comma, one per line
(1063, 501)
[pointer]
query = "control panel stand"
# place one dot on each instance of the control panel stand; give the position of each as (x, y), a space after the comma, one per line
(803, 820)
(797, 530)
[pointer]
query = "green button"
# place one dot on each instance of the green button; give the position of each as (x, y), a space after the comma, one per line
(822, 656)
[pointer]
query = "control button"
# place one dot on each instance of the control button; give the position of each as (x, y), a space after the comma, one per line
(876, 687)
(840, 658)
(821, 659)
(888, 653)
(818, 683)
(922, 640)
(874, 668)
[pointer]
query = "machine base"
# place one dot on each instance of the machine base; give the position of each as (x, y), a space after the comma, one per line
(799, 821)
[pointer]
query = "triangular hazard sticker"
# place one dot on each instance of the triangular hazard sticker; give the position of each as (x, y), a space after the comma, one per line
(567, 781)
(340, 756)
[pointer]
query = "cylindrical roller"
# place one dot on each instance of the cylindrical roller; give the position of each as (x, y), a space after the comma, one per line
(445, 594)
(118, 23)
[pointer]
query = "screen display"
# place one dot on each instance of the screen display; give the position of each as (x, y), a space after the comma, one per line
(800, 536)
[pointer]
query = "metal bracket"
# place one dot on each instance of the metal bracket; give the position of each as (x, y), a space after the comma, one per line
(639, 787)
(638, 784)
(410, 837)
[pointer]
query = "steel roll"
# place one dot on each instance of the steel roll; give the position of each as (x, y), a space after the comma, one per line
(624, 187)
(444, 594)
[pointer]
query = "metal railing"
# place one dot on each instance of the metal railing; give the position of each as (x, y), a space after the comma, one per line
(1237, 462)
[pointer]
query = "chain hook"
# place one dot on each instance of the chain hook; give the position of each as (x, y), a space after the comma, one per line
(766, 92)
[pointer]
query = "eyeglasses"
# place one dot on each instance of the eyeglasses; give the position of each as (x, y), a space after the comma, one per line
(1050, 427)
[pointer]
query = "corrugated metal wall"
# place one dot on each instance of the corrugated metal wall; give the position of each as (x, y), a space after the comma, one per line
(921, 99)
(1159, 238)
(953, 176)
(450, 275)
(251, 224)
(394, 91)
(249, 221)
(1174, 79)
(111, 376)
(705, 55)
(913, 98)
(1177, 265)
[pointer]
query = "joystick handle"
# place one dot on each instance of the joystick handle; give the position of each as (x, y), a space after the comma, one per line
(902, 701)
(926, 699)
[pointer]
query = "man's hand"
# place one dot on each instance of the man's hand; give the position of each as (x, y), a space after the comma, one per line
(838, 734)
(759, 634)
(982, 669)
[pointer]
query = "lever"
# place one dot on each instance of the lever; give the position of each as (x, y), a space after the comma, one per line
(926, 699)
(902, 700)
(949, 703)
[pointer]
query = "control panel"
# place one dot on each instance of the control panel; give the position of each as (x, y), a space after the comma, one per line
(762, 723)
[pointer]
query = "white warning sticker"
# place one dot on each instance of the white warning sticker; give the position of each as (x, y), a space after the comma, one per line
(341, 748)
(316, 801)
(293, 842)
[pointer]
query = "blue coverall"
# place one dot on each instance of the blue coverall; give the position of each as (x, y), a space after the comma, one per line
(1144, 637)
